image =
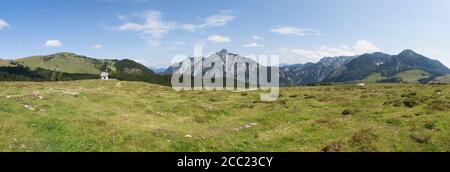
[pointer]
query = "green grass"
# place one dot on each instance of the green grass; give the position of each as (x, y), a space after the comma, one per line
(63, 62)
(442, 79)
(135, 116)
(375, 77)
(412, 76)
(5, 62)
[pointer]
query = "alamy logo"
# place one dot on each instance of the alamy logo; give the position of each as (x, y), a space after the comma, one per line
(226, 71)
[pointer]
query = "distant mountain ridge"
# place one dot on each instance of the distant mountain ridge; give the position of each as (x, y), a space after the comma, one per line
(224, 56)
(359, 68)
(312, 72)
(406, 67)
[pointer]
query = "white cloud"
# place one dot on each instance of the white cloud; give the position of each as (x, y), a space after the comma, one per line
(252, 45)
(153, 25)
(3, 24)
(122, 17)
(297, 55)
(97, 46)
(189, 27)
(53, 43)
(141, 61)
(153, 28)
(220, 19)
(292, 31)
(218, 39)
(363, 46)
(153, 42)
(257, 38)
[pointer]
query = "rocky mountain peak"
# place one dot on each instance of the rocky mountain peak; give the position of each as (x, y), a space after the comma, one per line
(222, 53)
(408, 52)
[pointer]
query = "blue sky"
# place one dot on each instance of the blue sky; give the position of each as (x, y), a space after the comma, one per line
(153, 31)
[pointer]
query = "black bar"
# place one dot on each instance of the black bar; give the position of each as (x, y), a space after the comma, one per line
(136, 161)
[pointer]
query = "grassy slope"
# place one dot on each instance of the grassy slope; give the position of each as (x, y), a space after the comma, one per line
(134, 116)
(375, 77)
(63, 62)
(5, 63)
(412, 76)
(442, 79)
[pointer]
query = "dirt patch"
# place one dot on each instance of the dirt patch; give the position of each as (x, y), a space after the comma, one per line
(27, 97)
(248, 126)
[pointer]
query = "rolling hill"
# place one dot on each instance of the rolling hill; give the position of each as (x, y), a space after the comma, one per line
(70, 66)
(441, 80)
(4, 62)
(66, 62)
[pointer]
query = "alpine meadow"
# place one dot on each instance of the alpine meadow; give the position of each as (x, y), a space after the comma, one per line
(224, 76)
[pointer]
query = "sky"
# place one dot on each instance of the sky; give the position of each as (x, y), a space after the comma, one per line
(152, 32)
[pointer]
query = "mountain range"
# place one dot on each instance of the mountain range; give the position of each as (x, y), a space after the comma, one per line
(406, 67)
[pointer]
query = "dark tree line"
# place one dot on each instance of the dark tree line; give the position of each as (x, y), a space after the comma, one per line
(22, 73)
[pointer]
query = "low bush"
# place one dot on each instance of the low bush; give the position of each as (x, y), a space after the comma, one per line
(410, 102)
(420, 138)
(334, 147)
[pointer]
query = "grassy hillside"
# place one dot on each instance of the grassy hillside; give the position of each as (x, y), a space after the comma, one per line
(375, 77)
(64, 62)
(21, 73)
(441, 80)
(134, 116)
(76, 67)
(5, 63)
(412, 76)
(129, 70)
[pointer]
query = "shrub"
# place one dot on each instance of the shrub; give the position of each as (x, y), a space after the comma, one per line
(410, 94)
(410, 102)
(395, 103)
(419, 114)
(347, 112)
(282, 101)
(393, 121)
(407, 116)
(420, 138)
(307, 96)
(439, 105)
(293, 96)
(334, 147)
(200, 119)
(430, 125)
(364, 136)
